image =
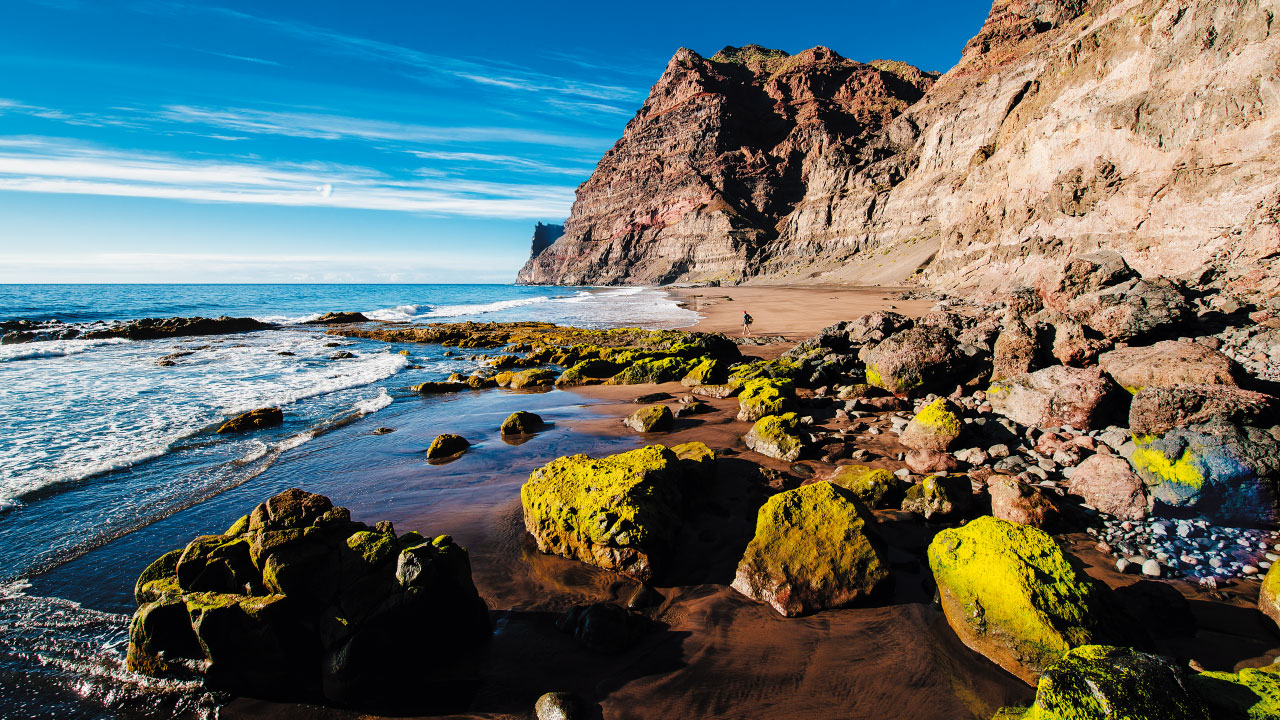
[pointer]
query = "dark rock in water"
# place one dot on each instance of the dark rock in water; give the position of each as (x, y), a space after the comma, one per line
(431, 388)
(342, 355)
(286, 353)
(604, 627)
(447, 445)
(383, 431)
(557, 705)
(652, 398)
(152, 328)
(337, 318)
(296, 602)
(253, 420)
(521, 423)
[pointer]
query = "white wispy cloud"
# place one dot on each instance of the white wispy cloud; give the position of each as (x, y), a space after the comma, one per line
(511, 162)
(47, 165)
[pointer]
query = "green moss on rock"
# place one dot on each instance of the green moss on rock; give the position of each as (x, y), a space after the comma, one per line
(653, 370)
(654, 418)
(1269, 597)
(447, 445)
(939, 496)
(777, 436)
(1251, 694)
(936, 427)
(708, 371)
(765, 396)
(587, 372)
(534, 377)
(875, 487)
(1102, 682)
(521, 423)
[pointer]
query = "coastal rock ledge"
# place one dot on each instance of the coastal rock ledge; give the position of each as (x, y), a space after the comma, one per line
(297, 602)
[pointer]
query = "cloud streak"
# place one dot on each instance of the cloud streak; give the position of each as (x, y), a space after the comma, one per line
(41, 165)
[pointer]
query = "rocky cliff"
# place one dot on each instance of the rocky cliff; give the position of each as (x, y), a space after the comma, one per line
(1144, 126)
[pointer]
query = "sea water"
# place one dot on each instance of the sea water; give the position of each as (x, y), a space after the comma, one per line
(108, 458)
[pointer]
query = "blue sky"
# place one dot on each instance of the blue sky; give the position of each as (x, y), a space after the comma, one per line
(340, 141)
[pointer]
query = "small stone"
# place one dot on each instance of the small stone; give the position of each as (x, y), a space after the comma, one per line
(1122, 565)
(902, 473)
(558, 706)
(1151, 568)
(1249, 570)
(998, 451)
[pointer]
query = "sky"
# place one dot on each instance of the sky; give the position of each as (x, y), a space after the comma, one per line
(341, 141)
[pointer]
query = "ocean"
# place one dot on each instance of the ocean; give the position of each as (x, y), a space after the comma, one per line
(109, 459)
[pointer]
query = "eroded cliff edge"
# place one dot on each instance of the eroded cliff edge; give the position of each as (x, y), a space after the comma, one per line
(1146, 127)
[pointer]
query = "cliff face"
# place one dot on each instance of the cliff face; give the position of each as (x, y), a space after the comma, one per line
(543, 236)
(718, 154)
(1144, 126)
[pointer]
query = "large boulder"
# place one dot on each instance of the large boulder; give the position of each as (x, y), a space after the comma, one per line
(654, 370)
(1251, 694)
(1011, 594)
(619, 512)
(654, 418)
(1157, 409)
(1269, 597)
(1108, 484)
(253, 420)
(936, 427)
(777, 436)
(534, 377)
(1056, 396)
(1133, 309)
(765, 396)
(875, 487)
(447, 445)
(1223, 471)
(1019, 349)
(587, 372)
(912, 361)
(297, 602)
(814, 549)
(521, 422)
(1170, 362)
(1085, 274)
(708, 371)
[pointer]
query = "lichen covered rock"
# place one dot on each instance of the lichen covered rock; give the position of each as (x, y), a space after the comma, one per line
(253, 420)
(655, 418)
(777, 436)
(1251, 694)
(296, 602)
(939, 496)
(447, 445)
(521, 423)
(1269, 597)
(765, 396)
(874, 487)
(1099, 682)
(534, 377)
(588, 372)
(1010, 594)
(936, 427)
(654, 370)
(619, 512)
(814, 549)
(708, 371)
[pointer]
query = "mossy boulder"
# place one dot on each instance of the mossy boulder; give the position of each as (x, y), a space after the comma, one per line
(534, 377)
(765, 396)
(521, 423)
(698, 463)
(253, 420)
(936, 427)
(435, 388)
(1223, 471)
(447, 445)
(715, 391)
(874, 487)
(619, 512)
(653, 370)
(654, 418)
(781, 368)
(1103, 682)
(777, 436)
(815, 548)
(480, 382)
(708, 371)
(939, 497)
(1269, 596)
(1251, 694)
(503, 379)
(587, 372)
(1011, 594)
(912, 361)
(295, 602)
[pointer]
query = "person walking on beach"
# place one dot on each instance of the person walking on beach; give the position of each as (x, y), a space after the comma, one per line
(746, 324)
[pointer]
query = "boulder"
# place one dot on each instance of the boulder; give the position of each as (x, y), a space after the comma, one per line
(1085, 274)
(1133, 309)
(1251, 694)
(1225, 472)
(936, 427)
(587, 372)
(874, 487)
(620, 512)
(777, 436)
(765, 396)
(654, 370)
(337, 318)
(927, 462)
(655, 418)
(1269, 597)
(715, 391)
(1075, 344)
(1157, 409)
(1167, 363)
(708, 371)
(912, 361)
(1011, 594)
(1103, 681)
(433, 388)
(296, 602)
(1108, 484)
(253, 420)
(558, 706)
(1056, 396)
(447, 445)
(1016, 501)
(534, 377)
(1019, 349)
(874, 327)
(814, 549)
(521, 423)
(939, 496)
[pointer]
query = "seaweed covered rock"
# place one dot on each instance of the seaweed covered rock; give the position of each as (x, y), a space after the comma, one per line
(534, 377)
(765, 396)
(253, 420)
(619, 512)
(936, 427)
(1011, 594)
(434, 388)
(874, 487)
(939, 496)
(654, 370)
(1251, 694)
(815, 548)
(912, 361)
(447, 445)
(297, 602)
(1158, 409)
(521, 423)
(1269, 596)
(587, 372)
(1056, 396)
(708, 371)
(1097, 682)
(777, 436)
(1223, 471)
(655, 418)
(1169, 362)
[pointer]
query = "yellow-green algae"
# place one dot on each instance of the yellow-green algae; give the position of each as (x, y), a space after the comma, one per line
(1251, 694)
(812, 550)
(532, 377)
(765, 396)
(1183, 471)
(590, 509)
(1269, 597)
(876, 487)
(776, 436)
(1010, 593)
(936, 416)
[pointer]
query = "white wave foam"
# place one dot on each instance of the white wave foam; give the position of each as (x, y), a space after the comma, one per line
(374, 404)
(52, 348)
